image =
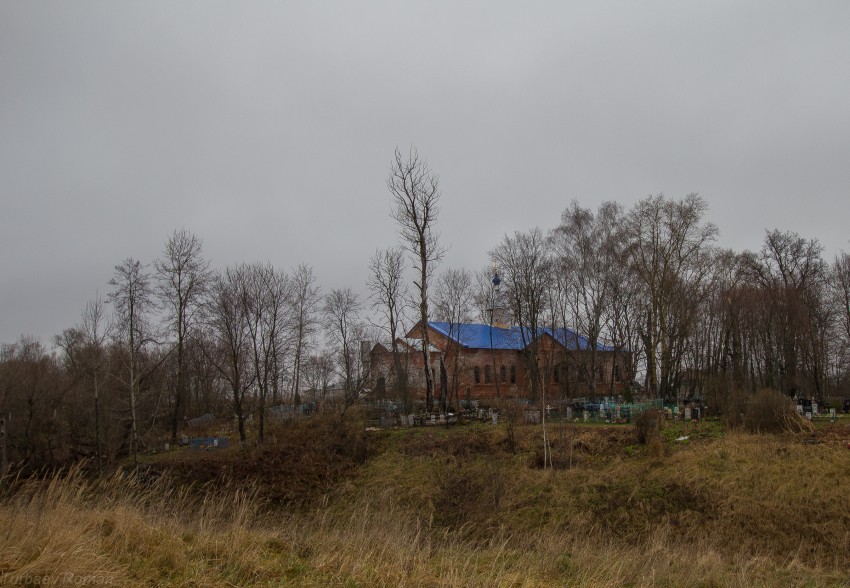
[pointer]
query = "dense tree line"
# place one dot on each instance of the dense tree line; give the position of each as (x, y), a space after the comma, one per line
(181, 340)
(175, 339)
(692, 318)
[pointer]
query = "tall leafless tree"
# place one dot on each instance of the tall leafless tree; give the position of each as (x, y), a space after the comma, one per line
(453, 302)
(415, 191)
(526, 279)
(318, 371)
(265, 294)
(388, 294)
(95, 327)
(131, 298)
(305, 305)
(588, 247)
(345, 330)
(841, 289)
(527, 270)
(792, 274)
(31, 387)
(182, 275)
(230, 351)
(667, 242)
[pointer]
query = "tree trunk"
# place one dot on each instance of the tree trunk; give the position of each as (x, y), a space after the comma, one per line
(97, 427)
(426, 339)
(4, 461)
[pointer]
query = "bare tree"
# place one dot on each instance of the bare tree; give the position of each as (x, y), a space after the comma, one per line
(318, 371)
(228, 328)
(841, 289)
(86, 358)
(31, 386)
(182, 275)
(792, 273)
(588, 251)
(131, 298)
(345, 330)
(453, 303)
(667, 245)
(388, 294)
(526, 277)
(305, 304)
(840, 296)
(265, 294)
(95, 328)
(415, 194)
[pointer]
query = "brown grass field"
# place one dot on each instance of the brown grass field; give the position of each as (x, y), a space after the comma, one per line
(330, 505)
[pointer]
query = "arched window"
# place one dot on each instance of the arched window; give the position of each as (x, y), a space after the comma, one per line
(503, 373)
(486, 374)
(513, 374)
(476, 373)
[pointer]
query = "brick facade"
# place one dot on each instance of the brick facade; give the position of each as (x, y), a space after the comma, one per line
(476, 371)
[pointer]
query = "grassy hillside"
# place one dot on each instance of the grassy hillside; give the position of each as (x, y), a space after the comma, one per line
(323, 505)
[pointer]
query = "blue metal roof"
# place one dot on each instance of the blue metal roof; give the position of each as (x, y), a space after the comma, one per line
(477, 336)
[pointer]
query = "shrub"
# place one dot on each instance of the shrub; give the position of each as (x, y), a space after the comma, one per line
(648, 425)
(510, 413)
(770, 411)
(732, 407)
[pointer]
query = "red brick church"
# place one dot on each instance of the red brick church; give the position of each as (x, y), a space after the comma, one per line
(472, 361)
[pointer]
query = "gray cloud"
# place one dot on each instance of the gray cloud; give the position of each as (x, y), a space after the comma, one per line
(267, 128)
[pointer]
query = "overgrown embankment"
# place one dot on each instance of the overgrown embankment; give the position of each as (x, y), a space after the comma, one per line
(296, 465)
(437, 507)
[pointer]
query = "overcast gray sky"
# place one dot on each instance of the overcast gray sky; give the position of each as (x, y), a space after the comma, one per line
(267, 128)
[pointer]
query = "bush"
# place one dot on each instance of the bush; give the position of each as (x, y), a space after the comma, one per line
(648, 425)
(770, 411)
(510, 413)
(732, 407)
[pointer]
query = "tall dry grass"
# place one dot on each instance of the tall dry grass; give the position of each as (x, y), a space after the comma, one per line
(745, 510)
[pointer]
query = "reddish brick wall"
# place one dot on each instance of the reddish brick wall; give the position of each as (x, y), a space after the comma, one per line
(461, 363)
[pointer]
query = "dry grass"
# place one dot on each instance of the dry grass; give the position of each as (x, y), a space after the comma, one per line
(744, 510)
